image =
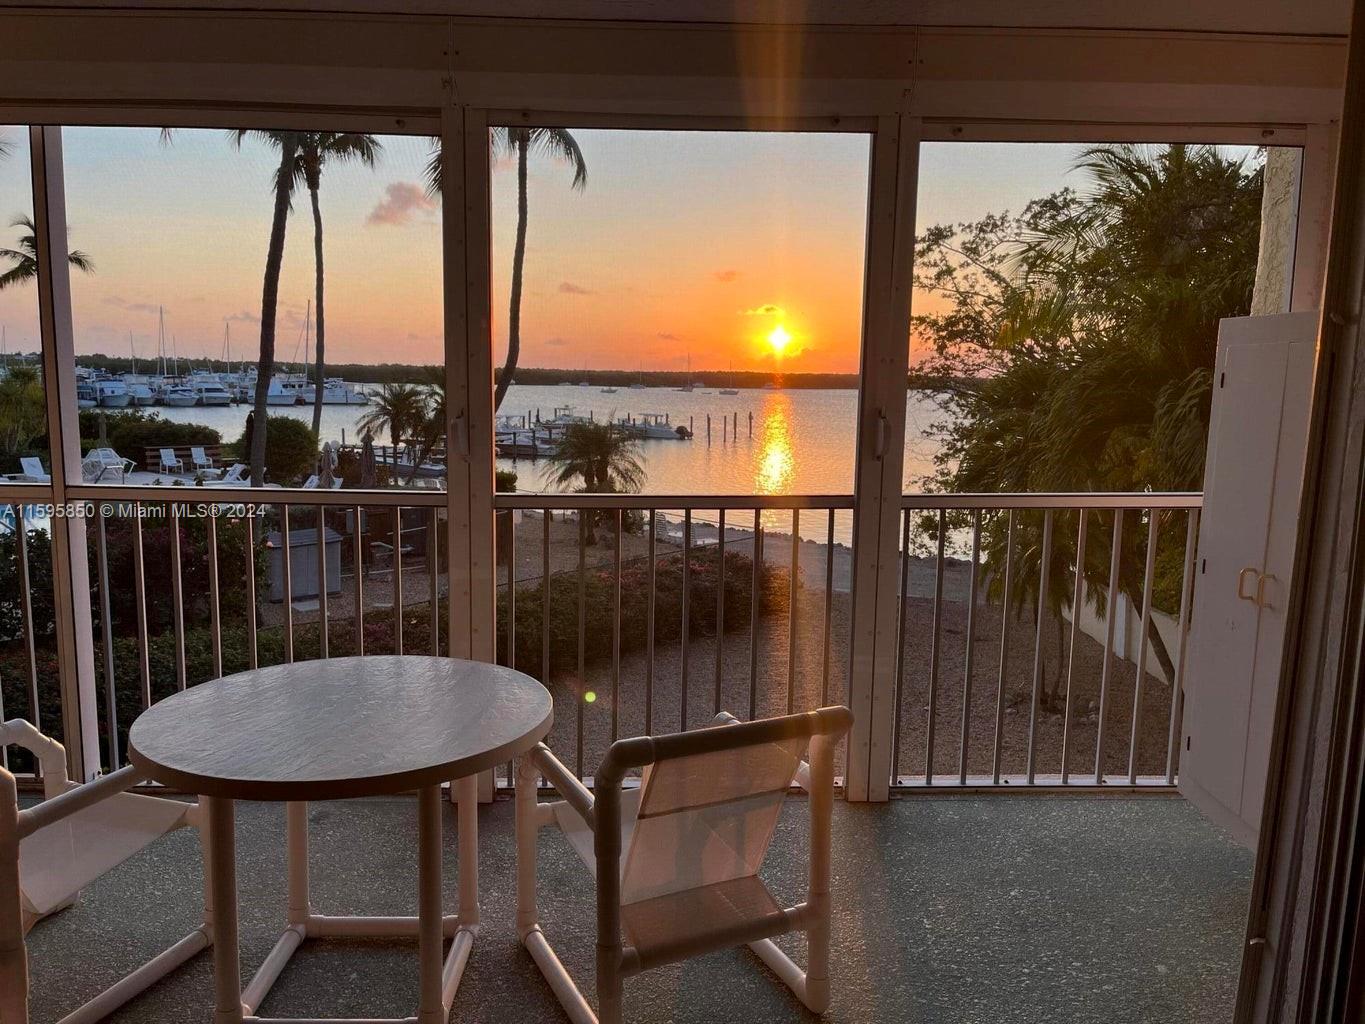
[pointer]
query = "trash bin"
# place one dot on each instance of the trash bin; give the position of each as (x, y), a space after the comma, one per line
(303, 563)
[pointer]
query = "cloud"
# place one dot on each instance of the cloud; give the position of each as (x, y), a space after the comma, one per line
(725, 276)
(556, 343)
(244, 317)
(667, 336)
(402, 200)
(569, 288)
(133, 307)
(767, 309)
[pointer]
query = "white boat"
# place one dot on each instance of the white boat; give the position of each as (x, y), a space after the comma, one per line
(335, 392)
(608, 391)
(178, 396)
(139, 389)
(209, 390)
(86, 396)
(112, 394)
(655, 426)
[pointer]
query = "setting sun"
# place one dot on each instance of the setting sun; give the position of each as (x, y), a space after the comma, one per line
(778, 340)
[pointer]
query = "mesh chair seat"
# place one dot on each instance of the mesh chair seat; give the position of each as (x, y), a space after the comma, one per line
(56, 862)
(678, 925)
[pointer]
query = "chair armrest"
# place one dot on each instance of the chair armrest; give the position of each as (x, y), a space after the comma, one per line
(51, 755)
(80, 797)
(574, 793)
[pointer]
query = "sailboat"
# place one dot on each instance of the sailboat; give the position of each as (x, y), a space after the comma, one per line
(731, 390)
(687, 385)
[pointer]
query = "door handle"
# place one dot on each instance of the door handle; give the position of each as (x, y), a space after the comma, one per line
(1260, 590)
(1253, 597)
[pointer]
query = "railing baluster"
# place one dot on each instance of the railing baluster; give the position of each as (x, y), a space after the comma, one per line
(1139, 683)
(252, 655)
(177, 599)
(829, 609)
(26, 612)
(215, 606)
(107, 639)
(358, 582)
(720, 610)
(1040, 610)
(1004, 650)
(396, 578)
(794, 582)
(755, 603)
(1111, 609)
(1183, 627)
(1077, 609)
(649, 627)
(511, 596)
(971, 648)
(934, 654)
(902, 603)
(583, 515)
(434, 583)
(545, 519)
(686, 615)
(616, 633)
(287, 556)
(320, 535)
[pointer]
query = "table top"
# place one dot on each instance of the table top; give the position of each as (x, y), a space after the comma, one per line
(340, 727)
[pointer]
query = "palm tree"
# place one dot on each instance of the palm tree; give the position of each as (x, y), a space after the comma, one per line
(399, 409)
(22, 411)
(25, 257)
(316, 150)
(431, 429)
(603, 456)
(288, 144)
(519, 142)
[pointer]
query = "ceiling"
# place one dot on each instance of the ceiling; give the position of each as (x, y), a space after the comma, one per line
(1281, 17)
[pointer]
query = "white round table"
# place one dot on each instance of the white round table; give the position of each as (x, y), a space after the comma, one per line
(329, 730)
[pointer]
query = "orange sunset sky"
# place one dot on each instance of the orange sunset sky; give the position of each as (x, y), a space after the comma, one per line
(683, 245)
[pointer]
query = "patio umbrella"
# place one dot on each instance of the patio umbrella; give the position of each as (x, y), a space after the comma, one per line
(326, 467)
(369, 473)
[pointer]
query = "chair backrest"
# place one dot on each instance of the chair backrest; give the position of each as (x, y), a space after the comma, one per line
(168, 457)
(708, 818)
(237, 472)
(311, 482)
(198, 455)
(32, 466)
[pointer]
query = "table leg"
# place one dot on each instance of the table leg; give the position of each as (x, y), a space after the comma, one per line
(222, 859)
(468, 812)
(430, 1009)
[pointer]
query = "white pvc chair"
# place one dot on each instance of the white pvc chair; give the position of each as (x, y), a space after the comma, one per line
(202, 463)
(170, 462)
(33, 471)
(677, 860)
(48, 852)
(238, 474)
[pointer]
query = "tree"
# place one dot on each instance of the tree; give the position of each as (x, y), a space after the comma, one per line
(316, 151)
(519, 142)
(430, 430)
(291, 448)
(23, 412)
(24, 259)
(288, 144)
(602, 455)
(1076, 349)
(399, 409)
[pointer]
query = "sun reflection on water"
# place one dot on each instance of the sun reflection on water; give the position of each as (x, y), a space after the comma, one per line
(776, 455)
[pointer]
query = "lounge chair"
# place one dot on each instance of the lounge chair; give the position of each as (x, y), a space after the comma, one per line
(311, 483)
(202, 463)
(677, 860)
(240, 473)
(49, 851)
(32, 471)
(170, 463)
(100, 463)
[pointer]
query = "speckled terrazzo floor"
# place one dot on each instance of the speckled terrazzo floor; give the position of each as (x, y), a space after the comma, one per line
(949, 909)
